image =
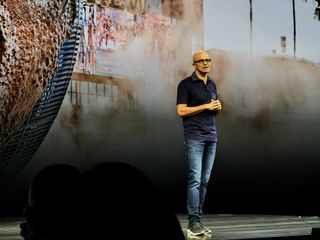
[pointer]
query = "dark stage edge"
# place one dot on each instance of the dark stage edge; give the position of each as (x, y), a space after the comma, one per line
(224, 226)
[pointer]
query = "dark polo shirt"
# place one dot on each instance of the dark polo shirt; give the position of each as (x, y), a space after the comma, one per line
(194, 92)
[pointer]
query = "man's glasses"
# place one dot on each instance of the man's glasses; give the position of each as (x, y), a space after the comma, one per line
(208, 60)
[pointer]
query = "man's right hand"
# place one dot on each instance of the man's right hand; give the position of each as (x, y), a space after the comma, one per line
(214, 105)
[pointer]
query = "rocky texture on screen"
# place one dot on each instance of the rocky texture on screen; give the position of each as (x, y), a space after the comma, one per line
(31, 33)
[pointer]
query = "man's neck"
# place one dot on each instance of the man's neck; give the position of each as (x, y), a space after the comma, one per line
(202, 76)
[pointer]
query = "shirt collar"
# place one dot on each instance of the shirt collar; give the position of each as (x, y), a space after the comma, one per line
(195, 77)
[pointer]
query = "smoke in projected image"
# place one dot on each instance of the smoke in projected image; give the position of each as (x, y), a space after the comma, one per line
(271, 87)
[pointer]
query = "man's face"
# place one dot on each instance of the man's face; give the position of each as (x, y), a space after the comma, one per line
(202, 62)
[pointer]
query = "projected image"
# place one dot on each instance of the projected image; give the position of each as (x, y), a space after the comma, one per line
(118, 43)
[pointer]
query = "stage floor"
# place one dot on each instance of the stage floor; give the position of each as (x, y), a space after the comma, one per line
(224, 226)
(255, 226)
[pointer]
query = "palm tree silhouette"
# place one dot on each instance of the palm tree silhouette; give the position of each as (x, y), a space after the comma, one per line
(317, 10)
(250, 3)
(294, 27)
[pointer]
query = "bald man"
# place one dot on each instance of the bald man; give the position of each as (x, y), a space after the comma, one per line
(197, 105)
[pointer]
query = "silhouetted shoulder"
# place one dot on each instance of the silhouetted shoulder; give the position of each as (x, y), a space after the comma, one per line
(117, 199)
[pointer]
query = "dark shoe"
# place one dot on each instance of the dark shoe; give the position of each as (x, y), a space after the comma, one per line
(196, 229)
(207, 230)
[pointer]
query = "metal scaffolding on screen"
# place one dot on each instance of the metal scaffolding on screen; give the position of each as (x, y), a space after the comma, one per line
(24, 143)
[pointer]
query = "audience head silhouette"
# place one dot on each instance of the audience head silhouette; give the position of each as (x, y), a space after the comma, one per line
(48, 202)
(118, 201)
(112, 200)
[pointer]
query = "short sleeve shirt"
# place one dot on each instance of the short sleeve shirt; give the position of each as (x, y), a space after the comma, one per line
(194, 92)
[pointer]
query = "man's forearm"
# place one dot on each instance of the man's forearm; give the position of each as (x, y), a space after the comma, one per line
(183, 110)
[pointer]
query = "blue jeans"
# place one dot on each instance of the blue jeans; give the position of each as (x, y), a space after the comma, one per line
(200, 157)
